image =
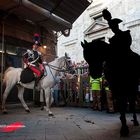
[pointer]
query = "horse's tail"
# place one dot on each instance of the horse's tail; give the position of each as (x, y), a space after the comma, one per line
(8, 69)
(4, 75)
(4, 81)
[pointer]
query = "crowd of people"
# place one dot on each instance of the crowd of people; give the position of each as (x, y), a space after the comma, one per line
(80, 89)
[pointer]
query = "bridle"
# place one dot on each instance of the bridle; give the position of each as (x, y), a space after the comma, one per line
(65, 68)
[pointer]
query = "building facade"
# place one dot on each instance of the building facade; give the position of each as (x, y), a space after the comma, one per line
(91, 26)
(21, 19)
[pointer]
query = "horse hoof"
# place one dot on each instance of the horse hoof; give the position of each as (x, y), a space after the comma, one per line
(51, 115)
(42, 108)
(136, 123)
(124, 132)
(5, 112)
(27, 110)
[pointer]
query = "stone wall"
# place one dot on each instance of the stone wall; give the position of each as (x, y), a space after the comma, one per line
(127, 10)
(19, 33)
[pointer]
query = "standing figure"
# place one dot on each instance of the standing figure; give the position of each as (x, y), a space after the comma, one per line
(96, 93)
(122, 74)
(56, 91)
(109, 98)
(32, 59)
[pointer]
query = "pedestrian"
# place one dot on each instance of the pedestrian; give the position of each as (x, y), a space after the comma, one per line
(96, 93)
(87, 95)
(109, 97)
(56, 91)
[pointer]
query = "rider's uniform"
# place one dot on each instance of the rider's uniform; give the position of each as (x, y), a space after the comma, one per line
(32, 58)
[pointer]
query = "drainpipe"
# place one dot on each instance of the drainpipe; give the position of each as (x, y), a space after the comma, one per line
(2, 60)
(44, 12)
(3, 43)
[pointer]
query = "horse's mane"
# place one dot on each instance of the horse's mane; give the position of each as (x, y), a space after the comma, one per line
(57, 59)
(60, 58)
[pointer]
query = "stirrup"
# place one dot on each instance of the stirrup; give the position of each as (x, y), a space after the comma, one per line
(37, 81)
(19, 82)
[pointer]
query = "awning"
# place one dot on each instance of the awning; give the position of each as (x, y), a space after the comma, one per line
(56, 15)
(69, 10)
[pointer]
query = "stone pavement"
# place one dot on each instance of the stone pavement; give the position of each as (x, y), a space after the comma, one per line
(68, 123)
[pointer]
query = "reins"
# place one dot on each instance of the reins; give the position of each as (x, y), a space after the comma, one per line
(52, 67)
(58, 68)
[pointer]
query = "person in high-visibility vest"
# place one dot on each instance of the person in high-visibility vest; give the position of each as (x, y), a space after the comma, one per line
(110, 105)
(96, 92)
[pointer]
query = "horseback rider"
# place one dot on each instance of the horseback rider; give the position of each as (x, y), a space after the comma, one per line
(32, 59)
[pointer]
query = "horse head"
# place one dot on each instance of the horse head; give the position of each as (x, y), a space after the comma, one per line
(95, 53)
(66, 64)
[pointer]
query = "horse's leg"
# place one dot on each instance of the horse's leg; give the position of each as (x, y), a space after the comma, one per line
(5, 95)
(42, 99)
(47, 100)
(20, 96)
(132, 108)
(124, 129)
(135, 121)
(51, 99)
(122, 105)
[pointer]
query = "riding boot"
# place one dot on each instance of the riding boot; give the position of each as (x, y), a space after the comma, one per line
(37, 80)
(42, 105)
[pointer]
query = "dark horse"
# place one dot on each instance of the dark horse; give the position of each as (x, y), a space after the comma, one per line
(122, 73)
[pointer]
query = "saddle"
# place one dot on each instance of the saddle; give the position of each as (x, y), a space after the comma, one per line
(27, 76)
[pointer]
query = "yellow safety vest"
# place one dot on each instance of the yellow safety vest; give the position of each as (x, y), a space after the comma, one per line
(107, 88)
(95, 83)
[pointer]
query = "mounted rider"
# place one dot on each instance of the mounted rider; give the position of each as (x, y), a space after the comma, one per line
(32, 59)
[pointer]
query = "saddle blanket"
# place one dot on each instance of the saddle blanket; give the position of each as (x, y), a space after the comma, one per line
(27, 75)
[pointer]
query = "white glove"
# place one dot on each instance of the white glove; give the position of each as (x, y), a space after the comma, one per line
(44, 63)
(39, 53)
(30, 64)
(29, 52)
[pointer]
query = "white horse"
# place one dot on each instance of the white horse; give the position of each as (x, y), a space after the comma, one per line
(12, 76)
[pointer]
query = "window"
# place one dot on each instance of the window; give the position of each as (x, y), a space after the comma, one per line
(102, 39)
(98, 18)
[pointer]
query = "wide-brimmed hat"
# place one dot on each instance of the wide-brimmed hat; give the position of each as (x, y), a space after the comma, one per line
(114, 21)
(107, 16)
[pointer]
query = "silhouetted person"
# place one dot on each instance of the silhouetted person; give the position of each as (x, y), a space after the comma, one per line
(121, 67)
(122, 76)
(121, 41)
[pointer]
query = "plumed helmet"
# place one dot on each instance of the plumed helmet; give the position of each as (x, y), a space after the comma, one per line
(114, 22)
(36, 39)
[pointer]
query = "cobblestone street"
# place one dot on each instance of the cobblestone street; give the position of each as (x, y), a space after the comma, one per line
(67, 124)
